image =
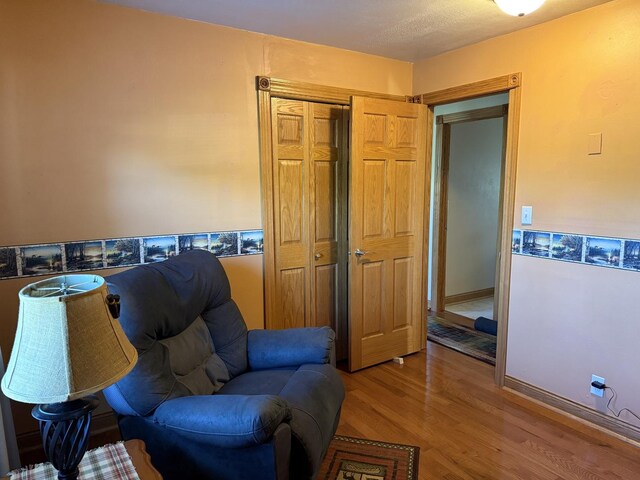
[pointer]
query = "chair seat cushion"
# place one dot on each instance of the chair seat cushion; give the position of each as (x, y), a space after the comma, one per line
(314, 394)
(261, 382)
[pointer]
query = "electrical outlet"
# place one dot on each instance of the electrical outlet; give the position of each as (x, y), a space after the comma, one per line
(598, 392)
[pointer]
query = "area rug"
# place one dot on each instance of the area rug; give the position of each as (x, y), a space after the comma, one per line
(465, 340)
(350, 458)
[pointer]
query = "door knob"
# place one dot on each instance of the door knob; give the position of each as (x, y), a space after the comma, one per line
(360, 253)
(317, 256)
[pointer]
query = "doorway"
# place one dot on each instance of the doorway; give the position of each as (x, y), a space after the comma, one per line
(469, 166)
(511, 86)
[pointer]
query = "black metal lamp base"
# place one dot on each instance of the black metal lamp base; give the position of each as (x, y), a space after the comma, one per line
(64, 428)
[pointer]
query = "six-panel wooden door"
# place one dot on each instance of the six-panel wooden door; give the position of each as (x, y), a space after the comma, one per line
(310, 207)
(387, 203)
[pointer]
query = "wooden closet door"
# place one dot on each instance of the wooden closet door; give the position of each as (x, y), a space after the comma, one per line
(328, 208)
(309, 215)
(388, 185)
(291, 208)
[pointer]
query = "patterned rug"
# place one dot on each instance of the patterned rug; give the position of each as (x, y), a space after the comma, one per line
(466, 340)
(351, 458)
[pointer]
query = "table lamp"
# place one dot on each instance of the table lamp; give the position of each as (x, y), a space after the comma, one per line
(68, 346)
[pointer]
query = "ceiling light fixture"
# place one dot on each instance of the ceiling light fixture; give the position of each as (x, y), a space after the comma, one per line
(518, 8)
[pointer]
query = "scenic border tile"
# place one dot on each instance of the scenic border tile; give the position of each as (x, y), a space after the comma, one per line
(536, 243)
(603, 251)
(631, 257)
(592, 250)
(122, 252)
(516, 241)
(194, 241)
(8, 262)
(84, 255)
(224, 244)
(567, 247)
(159, 248)
(251, 242)
(43, 259)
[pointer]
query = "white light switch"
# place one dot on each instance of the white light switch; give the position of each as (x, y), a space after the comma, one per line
(527, 215)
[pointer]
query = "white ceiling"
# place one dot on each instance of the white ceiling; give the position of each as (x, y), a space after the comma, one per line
(403, 29)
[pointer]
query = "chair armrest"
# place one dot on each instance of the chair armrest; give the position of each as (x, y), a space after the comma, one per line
(229, 421)
(291, 347)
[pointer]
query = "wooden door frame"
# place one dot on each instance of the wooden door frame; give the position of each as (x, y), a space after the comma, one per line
(441, 193)
(269, 87)
(512, 84)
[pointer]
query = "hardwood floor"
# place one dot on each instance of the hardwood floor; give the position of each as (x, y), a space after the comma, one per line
(467, 428)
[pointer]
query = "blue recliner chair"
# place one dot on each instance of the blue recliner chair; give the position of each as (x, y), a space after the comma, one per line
(209, 399)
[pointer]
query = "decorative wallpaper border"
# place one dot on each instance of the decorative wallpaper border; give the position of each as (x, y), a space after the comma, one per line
(53, 258)
(593, 250)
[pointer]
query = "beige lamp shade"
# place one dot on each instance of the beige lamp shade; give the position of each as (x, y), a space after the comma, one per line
(67, 343)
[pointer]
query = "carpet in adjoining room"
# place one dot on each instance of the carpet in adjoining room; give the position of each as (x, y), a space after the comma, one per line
(465, 340)
(350, 458)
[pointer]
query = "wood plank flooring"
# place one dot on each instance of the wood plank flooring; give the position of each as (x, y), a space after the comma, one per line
(469, 429)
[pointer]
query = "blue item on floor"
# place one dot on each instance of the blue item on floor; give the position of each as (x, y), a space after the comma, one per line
(486, 325)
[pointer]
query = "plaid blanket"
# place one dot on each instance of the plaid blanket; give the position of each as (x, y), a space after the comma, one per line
(111, 462)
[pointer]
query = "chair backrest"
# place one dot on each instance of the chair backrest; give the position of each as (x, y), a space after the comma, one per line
(189, 334)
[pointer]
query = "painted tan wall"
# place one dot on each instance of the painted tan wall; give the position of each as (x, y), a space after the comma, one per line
(473, 197)
(580, 75)
(455, 107)
(117, 122)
